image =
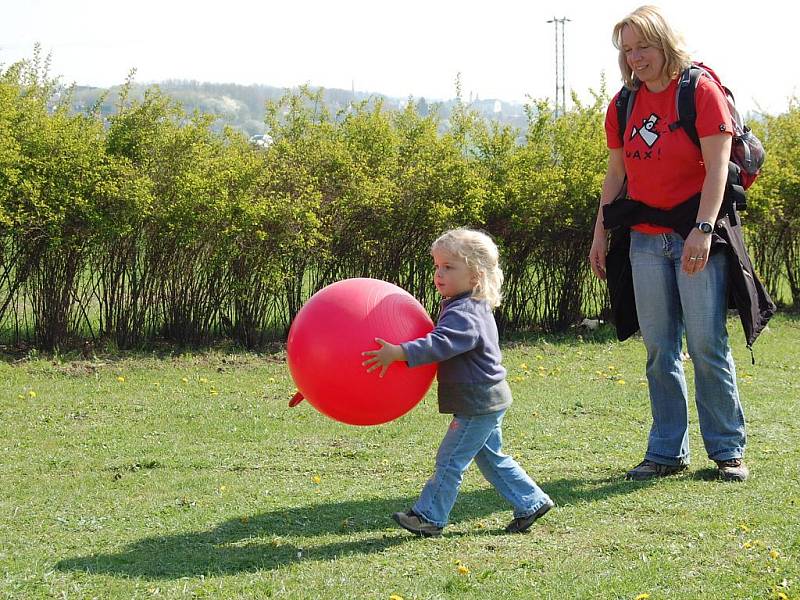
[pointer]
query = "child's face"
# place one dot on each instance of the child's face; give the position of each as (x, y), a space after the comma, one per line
(451, 275)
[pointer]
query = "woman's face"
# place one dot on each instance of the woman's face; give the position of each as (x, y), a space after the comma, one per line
(646, 61)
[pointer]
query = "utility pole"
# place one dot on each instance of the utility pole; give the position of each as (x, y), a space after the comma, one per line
(561, 93)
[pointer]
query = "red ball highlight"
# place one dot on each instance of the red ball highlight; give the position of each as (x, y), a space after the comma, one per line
(329, 334)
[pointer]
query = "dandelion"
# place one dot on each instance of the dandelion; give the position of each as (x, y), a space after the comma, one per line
(121, 379)
(222, 488)
(612, 368)
(782, 596)
(747, 545)
(462, 570)
(743, 527)
(184, 380)
(21, 397)
(774, 554)
(395, 597)
(316, 479)
(32, 394)
(524, 366)
(644, 596)
(203, 380)
(621, 382)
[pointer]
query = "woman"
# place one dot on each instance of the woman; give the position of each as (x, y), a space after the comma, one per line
(679, 284)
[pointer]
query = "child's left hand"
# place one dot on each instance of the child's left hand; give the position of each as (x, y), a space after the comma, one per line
(385, 356)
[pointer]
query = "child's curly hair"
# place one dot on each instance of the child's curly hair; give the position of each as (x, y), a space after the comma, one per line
(481, 255)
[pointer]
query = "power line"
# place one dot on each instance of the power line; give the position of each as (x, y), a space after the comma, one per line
(561, 93)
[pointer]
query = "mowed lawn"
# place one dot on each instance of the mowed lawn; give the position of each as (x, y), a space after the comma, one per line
(187, 476)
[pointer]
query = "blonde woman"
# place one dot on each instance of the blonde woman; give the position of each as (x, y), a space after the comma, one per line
(472, 386)
(679, 283)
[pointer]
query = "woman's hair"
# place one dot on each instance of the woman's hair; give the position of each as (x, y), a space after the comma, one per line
(651, 25)
(482, 257)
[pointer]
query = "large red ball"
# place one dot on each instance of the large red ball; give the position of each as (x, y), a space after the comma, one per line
(328, 336)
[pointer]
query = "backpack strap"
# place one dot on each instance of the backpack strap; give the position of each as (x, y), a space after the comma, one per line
(684, 103)
(624, 106)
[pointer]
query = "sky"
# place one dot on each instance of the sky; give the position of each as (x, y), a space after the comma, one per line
(502, 49)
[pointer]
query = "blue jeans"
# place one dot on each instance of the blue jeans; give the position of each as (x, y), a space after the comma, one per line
(481, 438)
(669, 302)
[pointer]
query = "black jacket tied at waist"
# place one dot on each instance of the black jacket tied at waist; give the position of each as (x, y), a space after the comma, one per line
(745, 291)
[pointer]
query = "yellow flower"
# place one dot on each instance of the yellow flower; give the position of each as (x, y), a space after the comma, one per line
(32, 394)
(316, 479)
(271, 380)
(222, 488)
(462, 570)
(184, 380)
(121, 379)
(774, 554)
(203, 380)
(644, 596)
(213, 392)
(747, 545)
(523, 366)
(782, 596)
(621, 382)
(395, 597)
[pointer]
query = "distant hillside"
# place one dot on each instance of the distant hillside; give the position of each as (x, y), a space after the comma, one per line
(242, 106)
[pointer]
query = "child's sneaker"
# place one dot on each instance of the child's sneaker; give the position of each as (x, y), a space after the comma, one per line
(521, 524)
(412, 522)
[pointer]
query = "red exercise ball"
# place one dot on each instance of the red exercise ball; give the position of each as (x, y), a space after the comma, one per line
(328, 336)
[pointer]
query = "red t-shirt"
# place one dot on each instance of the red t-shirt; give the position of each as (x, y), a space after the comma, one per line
(664, 167)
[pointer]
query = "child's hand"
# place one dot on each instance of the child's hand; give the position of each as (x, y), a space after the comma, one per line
(384, 357)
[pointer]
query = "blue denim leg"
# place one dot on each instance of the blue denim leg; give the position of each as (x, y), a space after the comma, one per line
(467, 438)
(668, 301)
(719, 411)
(508, 478)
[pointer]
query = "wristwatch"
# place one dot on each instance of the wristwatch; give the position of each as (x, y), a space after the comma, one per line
(704, 226)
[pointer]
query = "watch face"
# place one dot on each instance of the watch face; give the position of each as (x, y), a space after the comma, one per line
(705, 227)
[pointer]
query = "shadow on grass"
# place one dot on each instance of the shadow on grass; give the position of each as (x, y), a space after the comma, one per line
(269, 540)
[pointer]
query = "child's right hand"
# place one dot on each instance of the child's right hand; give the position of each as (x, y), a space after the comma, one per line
(383, 357)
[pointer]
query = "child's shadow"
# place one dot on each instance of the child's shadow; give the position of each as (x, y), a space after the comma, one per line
(258, 542)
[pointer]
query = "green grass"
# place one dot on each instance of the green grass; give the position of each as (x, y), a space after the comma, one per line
(188, 477)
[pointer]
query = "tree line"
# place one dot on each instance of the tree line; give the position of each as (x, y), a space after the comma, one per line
(148, 224)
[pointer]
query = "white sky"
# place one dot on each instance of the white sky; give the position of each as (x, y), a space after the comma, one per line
(502, 48)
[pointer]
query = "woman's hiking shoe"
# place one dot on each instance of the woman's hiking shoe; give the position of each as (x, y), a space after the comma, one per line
(412, 522)
(732, 469)
(522, 524)
(647, 469)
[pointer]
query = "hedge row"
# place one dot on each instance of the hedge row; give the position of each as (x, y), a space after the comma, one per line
(149, 226)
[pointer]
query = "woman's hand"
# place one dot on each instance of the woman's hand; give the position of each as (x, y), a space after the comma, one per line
(382, 358)
(597, 255)
(696, 249)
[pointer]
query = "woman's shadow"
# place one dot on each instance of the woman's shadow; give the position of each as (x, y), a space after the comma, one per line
(261, 542)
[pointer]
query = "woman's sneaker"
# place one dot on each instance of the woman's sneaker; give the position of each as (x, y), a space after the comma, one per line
(732, 469)
(647, 469)
(412, 522)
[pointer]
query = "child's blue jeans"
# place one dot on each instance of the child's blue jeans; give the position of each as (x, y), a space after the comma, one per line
(476, 437)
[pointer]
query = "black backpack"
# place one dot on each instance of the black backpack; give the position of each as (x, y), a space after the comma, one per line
(747, 152)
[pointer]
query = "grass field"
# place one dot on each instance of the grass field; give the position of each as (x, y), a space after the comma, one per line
(187, 476)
